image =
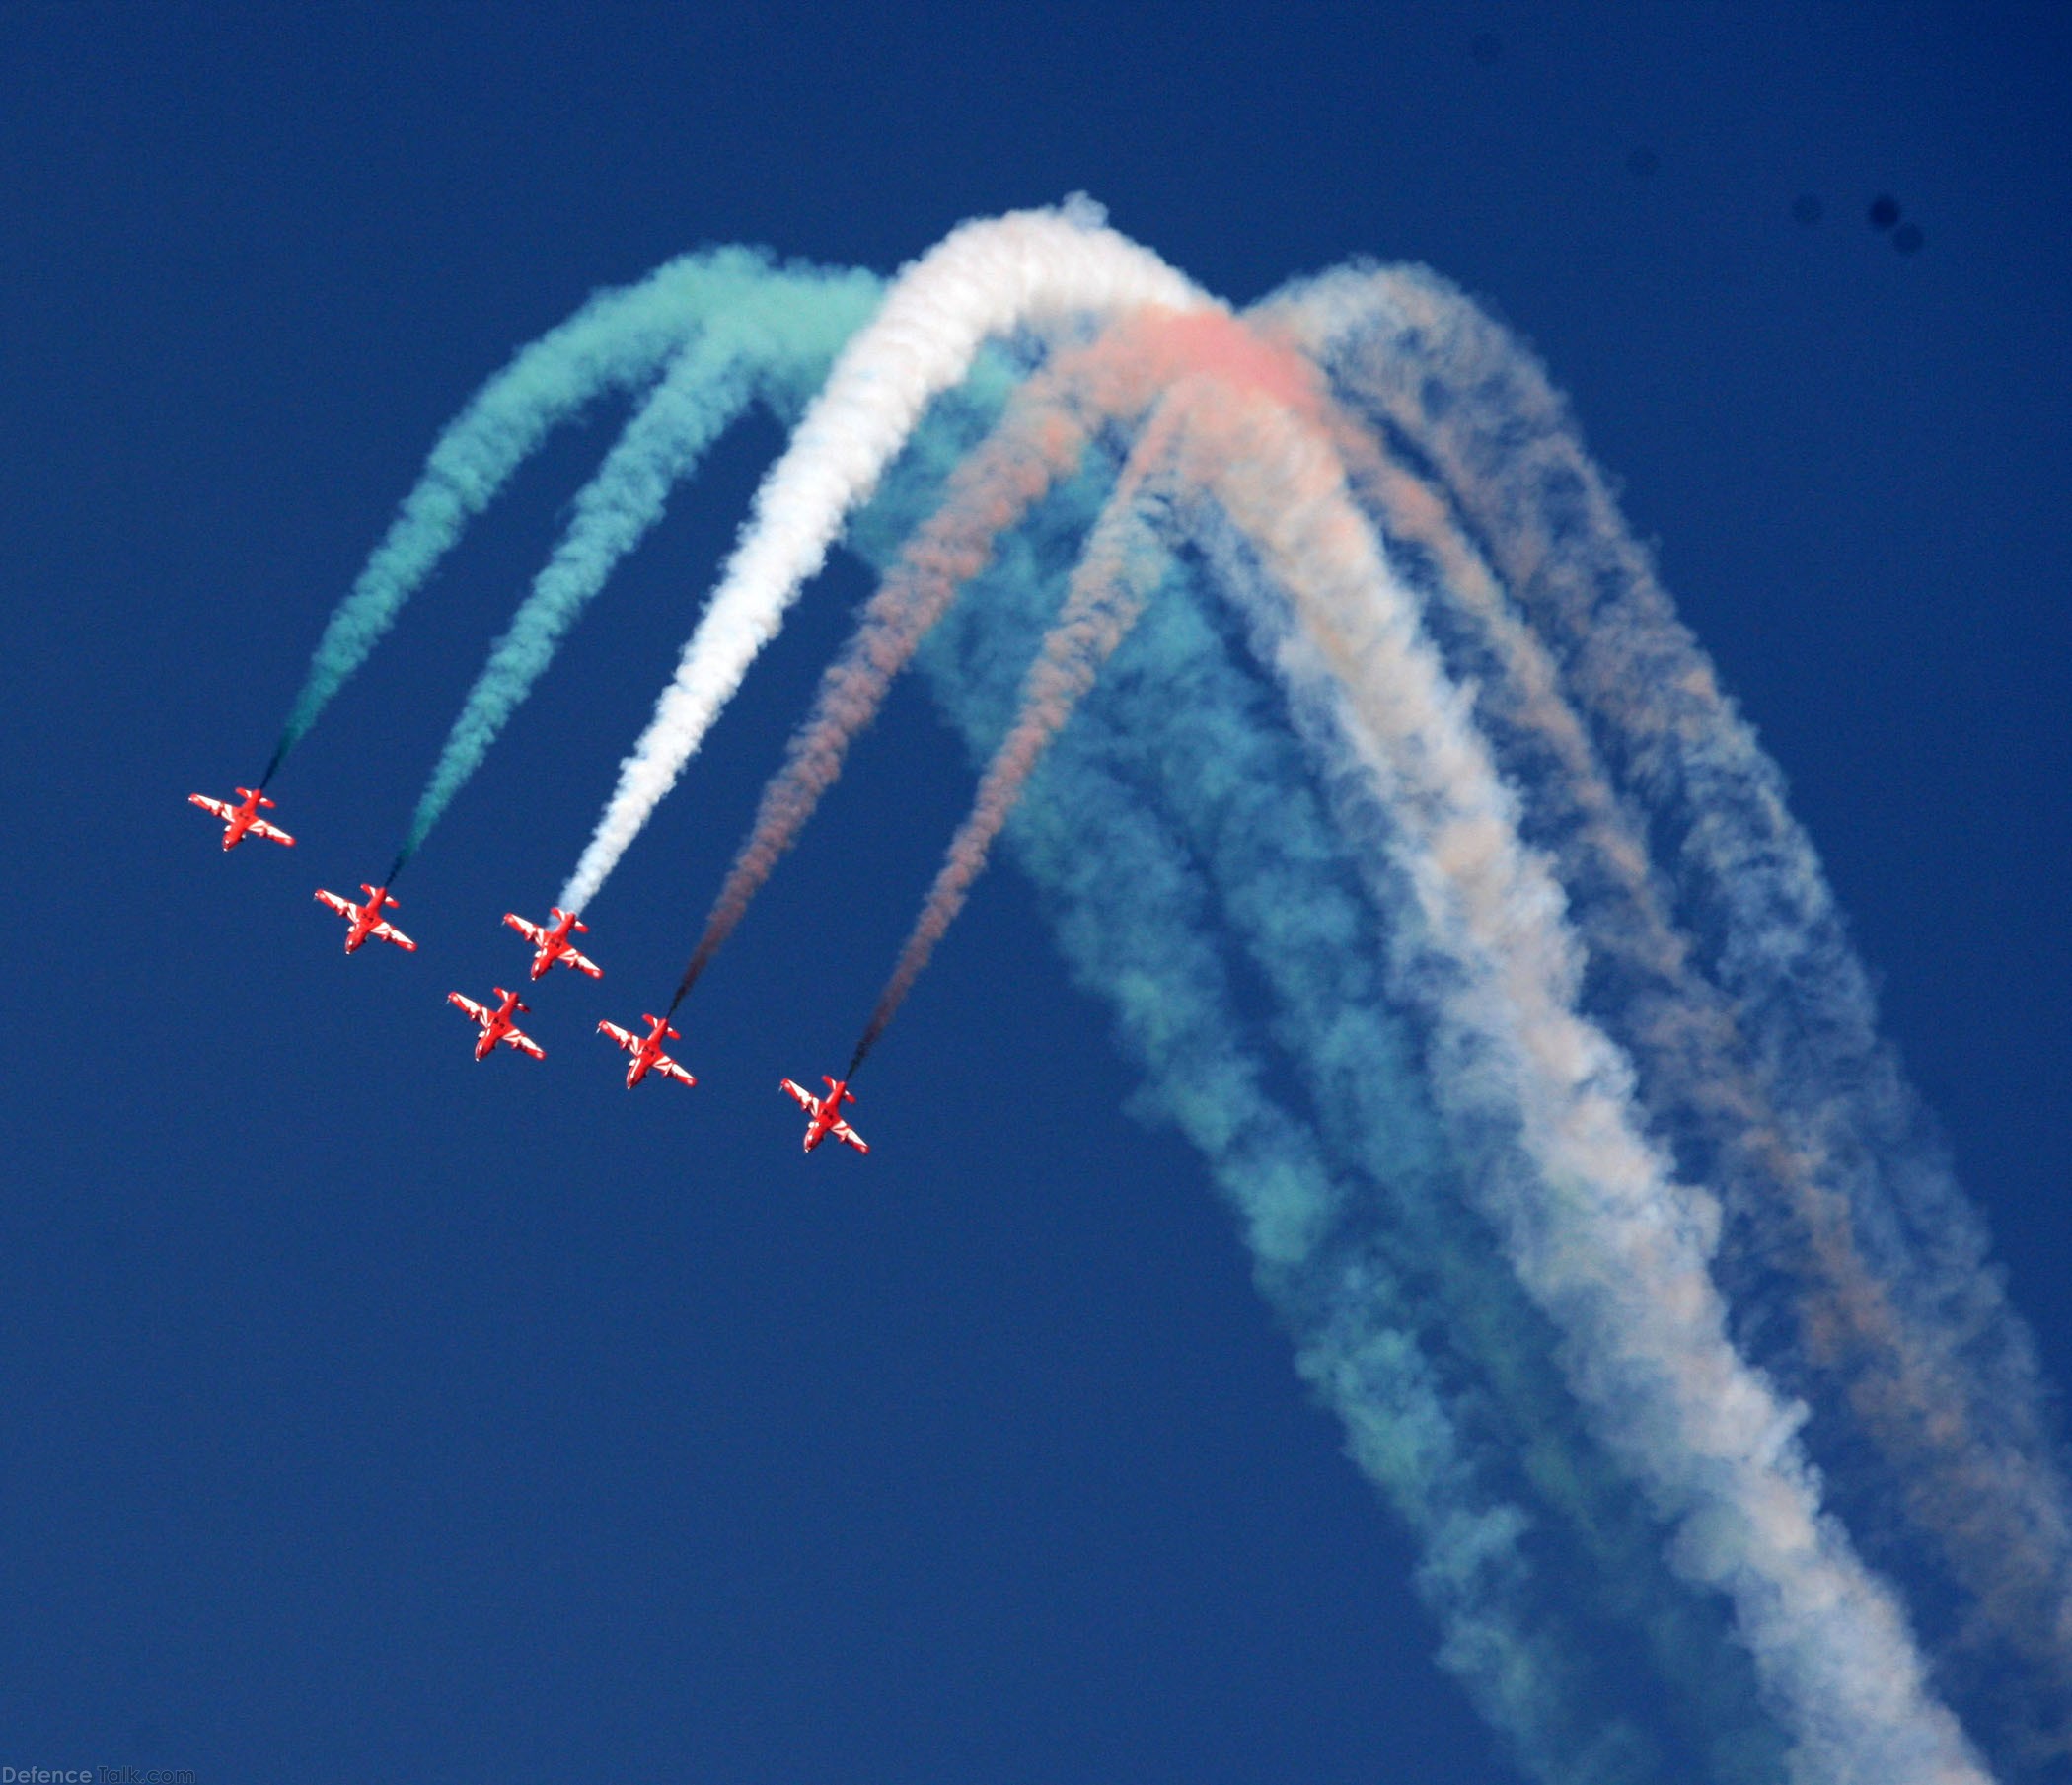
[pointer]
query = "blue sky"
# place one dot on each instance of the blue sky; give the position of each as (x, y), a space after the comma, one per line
(370, 1409)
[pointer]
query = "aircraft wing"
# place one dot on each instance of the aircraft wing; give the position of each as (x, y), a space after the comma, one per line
(531, 932)
(582, 963)
(344, 907)
(804, 1098)
(272, 832)
(842, 1130)
(525, 1044)
(623, 1037)
(388, 932)
(468, 1005)
(669, 1069)
(215, 806)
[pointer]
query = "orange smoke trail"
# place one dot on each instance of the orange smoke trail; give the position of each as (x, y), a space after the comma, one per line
(1109, 589)
(1211, 364)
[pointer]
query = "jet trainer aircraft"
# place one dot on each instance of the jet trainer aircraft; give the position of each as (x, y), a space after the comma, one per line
(647, 1050)
(552, 941)
(239, 822)
(498, 1025)
(826, 1113)
(366, 919)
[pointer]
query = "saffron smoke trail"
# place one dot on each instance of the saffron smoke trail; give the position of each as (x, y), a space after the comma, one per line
(1203, 358)
(1121, 566)
(773, 334)
(1902, 1331)
(1159, 349)
(616, 341)
(984, 280)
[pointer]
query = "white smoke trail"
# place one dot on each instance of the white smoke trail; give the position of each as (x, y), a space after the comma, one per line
(1610, 1248)
(984, 280)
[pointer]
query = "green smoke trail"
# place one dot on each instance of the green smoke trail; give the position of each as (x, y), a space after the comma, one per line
(761, 332)
(616, 341)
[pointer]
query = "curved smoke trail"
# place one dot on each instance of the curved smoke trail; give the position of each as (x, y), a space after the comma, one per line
(616, 341)
(1499, 727)
(1182, 362)
(983, 280)
(772, 334)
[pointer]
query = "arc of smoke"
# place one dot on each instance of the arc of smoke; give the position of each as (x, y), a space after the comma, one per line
(1937, 1370)
(984, 280)
(1601, 1236)
(616, 341)
(767, 334)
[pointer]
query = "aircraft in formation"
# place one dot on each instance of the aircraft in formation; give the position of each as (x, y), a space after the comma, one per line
(647, 1050)
(550, 943)
(826, 1113)
(366, 920)
(242, 821)
(498, 1024)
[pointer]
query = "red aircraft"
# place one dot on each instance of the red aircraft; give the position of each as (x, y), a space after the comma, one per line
(647, 1050)
(553, 942)
(497, 1025)
(366, 919)
(242, 821)
(826, 1113)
